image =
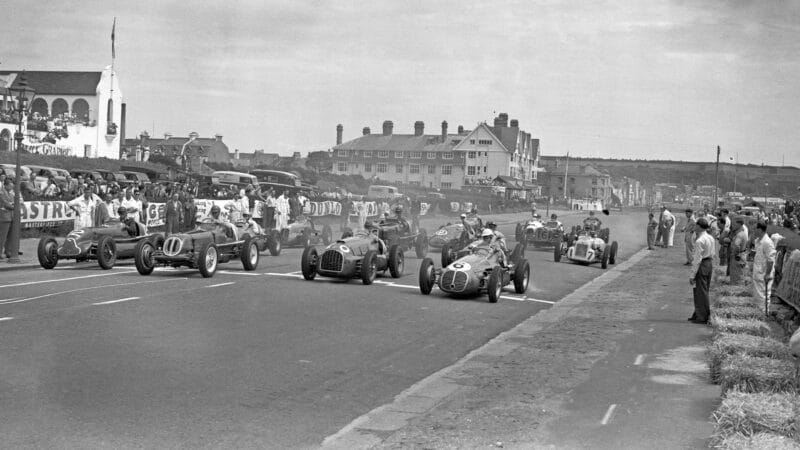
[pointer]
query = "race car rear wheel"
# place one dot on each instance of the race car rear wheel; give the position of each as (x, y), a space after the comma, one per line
(369, 267)
(106, 252)
(274, 243)
(518, 252)
(522, 276)
(606, 257)
(305, 238)
(47, 252)
(495, 284)
(308, 263)
(396, 261)
(157, 241)
(326, 234)
(143, 257)
(447, 255)
(427, 276)
(557, 251)
(209, 257)
(249, 254)
(612, 258)
(421, 246)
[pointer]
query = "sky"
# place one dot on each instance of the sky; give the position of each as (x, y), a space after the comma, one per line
(619, 79)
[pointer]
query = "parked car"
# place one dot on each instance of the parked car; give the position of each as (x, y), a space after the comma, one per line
(11, 171)
(136, 178)
(43, 174)
(361, 255)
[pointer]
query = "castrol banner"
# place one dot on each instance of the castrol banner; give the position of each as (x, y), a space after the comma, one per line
(45, 213)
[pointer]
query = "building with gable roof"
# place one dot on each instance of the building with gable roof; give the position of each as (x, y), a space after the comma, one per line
(71, 113)
(192, 151)
(581, 181)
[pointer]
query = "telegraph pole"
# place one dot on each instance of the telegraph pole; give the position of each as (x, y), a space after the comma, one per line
(716, 180)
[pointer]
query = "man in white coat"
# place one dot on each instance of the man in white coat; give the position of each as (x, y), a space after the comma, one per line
(83, 206)
(282, 211)
(669, 227)
(763, 263)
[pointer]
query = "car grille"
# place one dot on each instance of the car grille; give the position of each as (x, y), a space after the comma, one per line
(580, 250)
(70, 248)
(172, 246)
(454, 281)
(331, 260)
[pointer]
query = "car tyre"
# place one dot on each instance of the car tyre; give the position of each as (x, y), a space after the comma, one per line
(522, 276)
(249, 254)
(421, 245)
(518, 253)
(612, 258)
(47, 252)
(308, 263)
(327, 234)
(143, 257)
(209, 259)
(274, 243)
(368, 267)
(396, 261)
(495, 284)
(447, 255)
(157, 241)
(106, 252)
(557, 251)
(606, 256)
(427, 276)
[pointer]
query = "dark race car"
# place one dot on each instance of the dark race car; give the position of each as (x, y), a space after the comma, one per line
(264, 241)
(588, 247)
(303, 233)
(399, 232)
(106, 244)
(539, 233)
(361, 255)
(202, 248)
(477, 272)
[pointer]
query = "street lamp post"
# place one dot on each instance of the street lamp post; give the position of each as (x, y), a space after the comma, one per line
(21, 92)
(766, 185)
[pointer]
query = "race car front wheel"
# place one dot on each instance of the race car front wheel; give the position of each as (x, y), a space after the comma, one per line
(48, 252)
(106, 252)
(208, 260)
(427, 276)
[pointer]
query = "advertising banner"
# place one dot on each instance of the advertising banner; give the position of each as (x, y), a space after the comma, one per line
(45, 213)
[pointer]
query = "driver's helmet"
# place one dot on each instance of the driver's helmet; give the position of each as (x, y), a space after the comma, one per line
(122, 210)
(398, 209)
(593, 234)
(463, 216)
(491, 225)
(553, 217)
(215, 211)
(474, 210)
(370, 227)
(486, 233)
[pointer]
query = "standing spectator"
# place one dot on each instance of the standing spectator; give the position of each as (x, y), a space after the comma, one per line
(688, 236)
(6, 215)
(668, 224)
(28, 189)
(700, 275)
(652, 231)
(70, 185)
(724, 224)
(282, 211)
(173, 215)
(101, 213)
(347, 205)
(235, 208)
(763, 263)
(294, 207)
(738, 251)
(143, 205)
(362, 214)
(51, 190)
(130, 203)
(84, 206)
(250, 194)
(189, 213)
(111, 206)
(269, 210)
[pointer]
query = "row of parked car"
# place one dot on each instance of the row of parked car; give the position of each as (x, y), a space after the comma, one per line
(123, 178)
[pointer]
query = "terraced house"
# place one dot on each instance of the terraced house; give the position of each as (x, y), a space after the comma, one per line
(443, 160)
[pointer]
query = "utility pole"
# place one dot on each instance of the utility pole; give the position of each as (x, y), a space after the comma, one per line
(716, 180)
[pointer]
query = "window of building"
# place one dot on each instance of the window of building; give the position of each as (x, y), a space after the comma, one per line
(471, 155)
(367, 153)
(381, 168)
(471, 170)
(431, 170)
(413, 168)
(572, 180)
(355, 167)
(447, 169)
(398, 155)
(594, 181)
(341, 153)
(472, 141)
(447, 185)
(398, 168)
(431, 155)
(383, 154)
(484, 142)
(455, 141)
(341, 167)
(414, 183)
(416, 155)
(367, 167)
(485, 169)
(447, 155)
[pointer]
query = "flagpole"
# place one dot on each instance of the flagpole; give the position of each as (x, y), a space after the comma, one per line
(566, 172)
(113, 57)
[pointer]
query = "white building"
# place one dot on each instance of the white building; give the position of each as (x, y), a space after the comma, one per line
(71, 113)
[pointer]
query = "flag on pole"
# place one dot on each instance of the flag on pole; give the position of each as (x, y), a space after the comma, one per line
(113, 28)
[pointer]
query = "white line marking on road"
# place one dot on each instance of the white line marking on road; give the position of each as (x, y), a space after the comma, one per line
(53, 294)
(3, 319)
(115, 301)
(650, 330)
(664, 307)
(288, 275)
(526, 299)
(221, 284)
(28, 283)
(639, 360)
(608, 415)
(250, 274)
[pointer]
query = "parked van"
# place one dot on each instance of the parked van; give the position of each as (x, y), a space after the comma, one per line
(238, 178)
(387, 192)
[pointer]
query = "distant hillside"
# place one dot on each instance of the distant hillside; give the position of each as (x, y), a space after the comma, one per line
(749, 178)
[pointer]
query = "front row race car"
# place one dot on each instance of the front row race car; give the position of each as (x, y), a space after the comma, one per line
(203, 248)
(586, 248)
(106, 244)
(477, 272)
(538, 233)
(361, 255)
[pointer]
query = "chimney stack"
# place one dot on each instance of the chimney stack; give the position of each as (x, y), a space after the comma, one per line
(387, 128)
(365, 131)
(515, 123)
(339, 129)
(419, 128)
(503, 119)
(218, 137)
(444, 130)
(461, 129)
(236, 154)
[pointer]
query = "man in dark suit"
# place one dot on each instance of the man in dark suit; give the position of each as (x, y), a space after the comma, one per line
(173, 215)
(6, 214)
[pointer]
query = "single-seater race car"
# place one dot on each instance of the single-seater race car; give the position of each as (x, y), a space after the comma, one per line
(587, 247)
(265, 241)
(303, 233)
(361, 255)
(398, 232)
(106, 244)
(476, 272)
(203, 248)
(539, 233)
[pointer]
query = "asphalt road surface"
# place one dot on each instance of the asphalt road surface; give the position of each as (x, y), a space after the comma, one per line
(111, 359)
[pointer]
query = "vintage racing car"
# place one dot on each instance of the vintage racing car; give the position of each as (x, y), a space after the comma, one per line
(106, 244)
(202, 248)
(303, 233)
(587, 247)
(477, 272)
(539, 233)
(361, 255)
(265, 241)
(396, 232)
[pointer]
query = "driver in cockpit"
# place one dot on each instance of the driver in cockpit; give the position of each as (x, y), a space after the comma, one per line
(129, 224)
(222, 224)
(373, 231)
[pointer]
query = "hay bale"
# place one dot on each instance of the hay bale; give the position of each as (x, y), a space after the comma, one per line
(734, 291)
(726, 344)
(738, 312)
(735, 300)
(758, 374)
(748, 414)
(747, 326)
(759, 441)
